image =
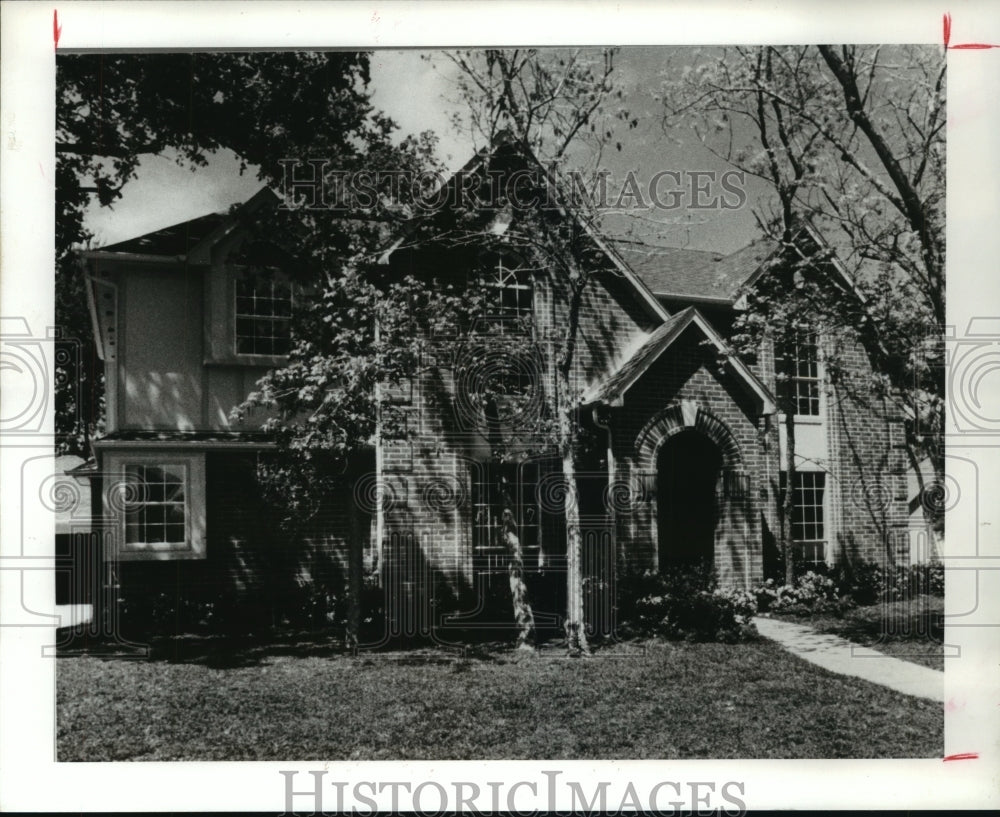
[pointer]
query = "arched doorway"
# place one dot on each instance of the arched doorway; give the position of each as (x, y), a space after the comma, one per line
(687, 469)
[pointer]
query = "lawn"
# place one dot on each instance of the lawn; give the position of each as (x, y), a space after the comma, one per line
(301, 701)
(912, 630)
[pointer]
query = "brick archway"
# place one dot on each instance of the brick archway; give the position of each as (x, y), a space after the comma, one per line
(678, 417)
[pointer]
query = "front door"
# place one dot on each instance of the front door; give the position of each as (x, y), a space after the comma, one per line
(687, 475)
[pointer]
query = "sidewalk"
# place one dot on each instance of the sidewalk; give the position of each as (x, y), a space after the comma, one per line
(846, 658)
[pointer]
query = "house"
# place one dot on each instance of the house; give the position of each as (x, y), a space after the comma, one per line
(687, 467)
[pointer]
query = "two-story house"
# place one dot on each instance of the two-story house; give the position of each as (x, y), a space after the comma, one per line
(689, 467)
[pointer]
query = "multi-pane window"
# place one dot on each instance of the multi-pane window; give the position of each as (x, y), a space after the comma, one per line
(263, 316)
(155, 504)
(509, 287)
(489, 481)
(808, 522)
(797, 363)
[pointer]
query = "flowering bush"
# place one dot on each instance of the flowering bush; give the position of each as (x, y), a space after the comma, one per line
(869, 582)
(811, 592)
(861, 583)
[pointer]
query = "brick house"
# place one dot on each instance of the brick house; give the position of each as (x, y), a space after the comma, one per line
(687, 467)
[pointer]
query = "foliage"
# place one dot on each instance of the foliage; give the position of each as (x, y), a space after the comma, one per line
(113, 109)
(810, 593)
(145, 614)
(684, 603)
(556, 102)
(838, 589)
(868, 582)
(851, 140)
(544, 106)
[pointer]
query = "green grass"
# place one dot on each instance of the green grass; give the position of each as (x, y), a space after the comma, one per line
(294, 702)
(912, 631)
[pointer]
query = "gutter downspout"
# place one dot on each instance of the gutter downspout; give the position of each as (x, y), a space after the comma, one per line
(610, 504)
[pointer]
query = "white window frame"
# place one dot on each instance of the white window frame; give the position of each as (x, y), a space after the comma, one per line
(506, 272)
(795, 381)
(192, 466)
(484, 523)
(824, 508)
(275, 277)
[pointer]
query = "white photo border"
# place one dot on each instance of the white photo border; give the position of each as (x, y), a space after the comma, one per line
(32, 780)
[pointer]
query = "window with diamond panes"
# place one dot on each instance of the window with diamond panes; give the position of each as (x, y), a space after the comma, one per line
(263, 316)
(808, 521)
(155, 504)
(798, 363)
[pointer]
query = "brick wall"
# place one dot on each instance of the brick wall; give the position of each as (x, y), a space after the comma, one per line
(866, 437)
(251, 563)
(719, 408)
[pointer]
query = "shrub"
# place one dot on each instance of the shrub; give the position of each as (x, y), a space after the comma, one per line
(812, 592)
(837, 589)
(869, 582)
(862, 581)
(684, 603)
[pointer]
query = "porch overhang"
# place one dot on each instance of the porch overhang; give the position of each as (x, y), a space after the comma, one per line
(200, 440)
(612, 391)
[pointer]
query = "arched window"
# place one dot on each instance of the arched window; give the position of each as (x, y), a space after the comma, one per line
(508, 284)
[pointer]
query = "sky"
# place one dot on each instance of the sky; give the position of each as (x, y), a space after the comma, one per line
(419, 94)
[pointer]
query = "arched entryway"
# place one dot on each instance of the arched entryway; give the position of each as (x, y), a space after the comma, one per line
(688, 464)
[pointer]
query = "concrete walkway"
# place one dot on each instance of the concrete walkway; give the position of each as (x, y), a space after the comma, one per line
(846, 658)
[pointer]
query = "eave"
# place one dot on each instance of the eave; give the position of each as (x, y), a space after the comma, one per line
(611, 392)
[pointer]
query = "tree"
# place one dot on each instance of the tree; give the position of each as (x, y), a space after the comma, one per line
(558, 108)
(113, 109)
(353, 334)
(849, 139)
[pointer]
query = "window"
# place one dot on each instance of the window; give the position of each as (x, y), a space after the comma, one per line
(156, 508)
(798, 364)
(508, 286)
(808, 525)
(263, 315)
(156, 499)
(488, 481)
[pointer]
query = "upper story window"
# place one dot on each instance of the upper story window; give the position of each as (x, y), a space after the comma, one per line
(798, 364)
(263, 315)
(508, 284)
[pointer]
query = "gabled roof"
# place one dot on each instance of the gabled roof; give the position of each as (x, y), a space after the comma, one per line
(177, 239)
(613, 389)
(680, 274)
(645, 296)
(676, 274)
(189, 240)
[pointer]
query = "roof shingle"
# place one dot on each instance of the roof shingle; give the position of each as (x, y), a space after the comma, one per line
(679, 273)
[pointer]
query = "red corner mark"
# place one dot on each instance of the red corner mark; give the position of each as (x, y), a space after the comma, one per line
(949, 47)
(963, 756)
(56, 28)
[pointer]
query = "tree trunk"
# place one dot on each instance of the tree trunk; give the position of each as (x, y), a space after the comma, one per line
(355, 557)
(932, 518)
(576, 635)
(524, 618)
(503, 506)
(788, 501)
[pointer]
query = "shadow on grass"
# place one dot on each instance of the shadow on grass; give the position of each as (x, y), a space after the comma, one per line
(228, 651)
